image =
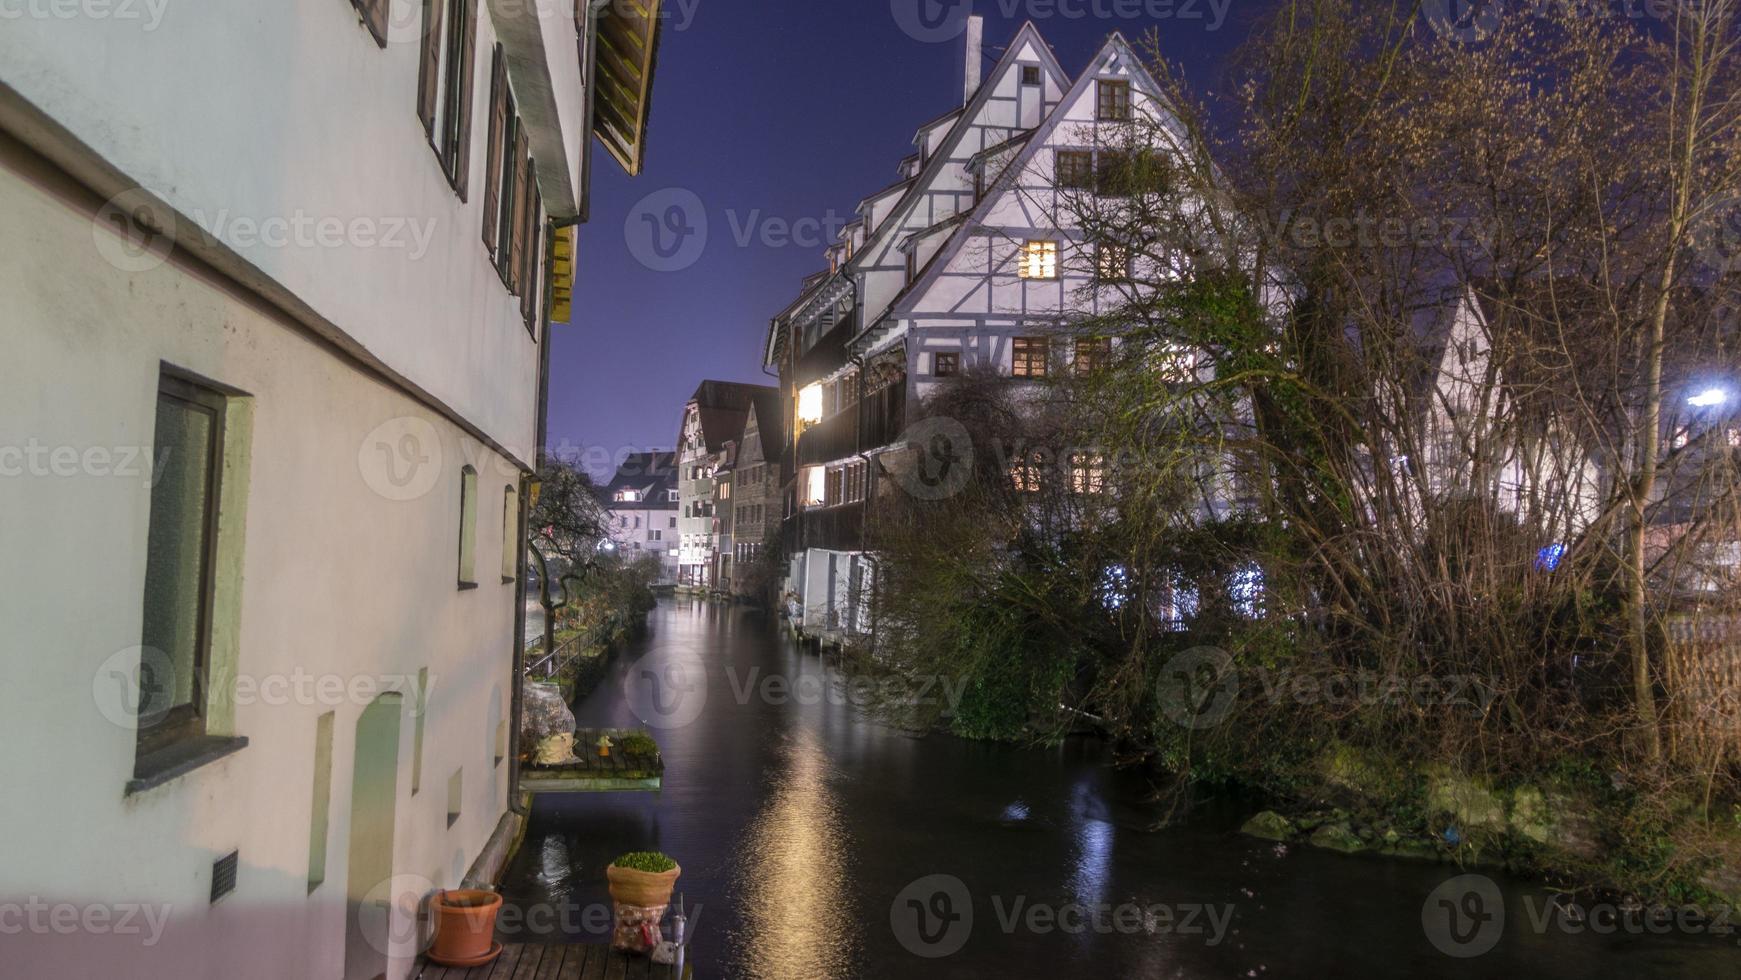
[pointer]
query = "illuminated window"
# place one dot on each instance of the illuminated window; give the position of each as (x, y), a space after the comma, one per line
(1112, 263)
(1040, 260)
(813, 486)
(1088, 473)
(1028, 357)
(1026, 473)
(1178, 363)
(810, 405)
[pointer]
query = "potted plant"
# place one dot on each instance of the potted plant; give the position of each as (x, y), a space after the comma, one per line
(465, 927)
(641, 883)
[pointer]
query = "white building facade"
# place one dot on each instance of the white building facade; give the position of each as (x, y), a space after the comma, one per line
(278, 277)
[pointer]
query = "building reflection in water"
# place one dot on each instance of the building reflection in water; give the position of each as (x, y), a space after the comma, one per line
(797, 908)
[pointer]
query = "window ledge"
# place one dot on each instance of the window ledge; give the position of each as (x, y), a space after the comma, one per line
(509, 580)
(467, 586)
(175, 761)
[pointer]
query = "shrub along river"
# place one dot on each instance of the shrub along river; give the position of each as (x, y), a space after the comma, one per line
(817, 842)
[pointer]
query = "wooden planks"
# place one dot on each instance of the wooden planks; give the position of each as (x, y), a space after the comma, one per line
(556, 962)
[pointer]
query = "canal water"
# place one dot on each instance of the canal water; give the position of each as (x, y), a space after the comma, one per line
(818, 843)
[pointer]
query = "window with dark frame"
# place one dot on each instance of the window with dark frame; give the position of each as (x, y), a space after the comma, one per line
(453, 138)
(1112, 100)
(498, 184)
(1029, 356)
(1112, 173)
(1112, 262)
(945, 365)
(1075, 169)
(1092, 354)
(1030, 74)
(374, 14)
(181, 549)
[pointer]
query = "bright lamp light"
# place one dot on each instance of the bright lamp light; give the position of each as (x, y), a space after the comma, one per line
(810, 405)
(1709, 398)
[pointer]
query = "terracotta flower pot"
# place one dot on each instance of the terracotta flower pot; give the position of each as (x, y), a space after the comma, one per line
(642, 889)
(465, 927)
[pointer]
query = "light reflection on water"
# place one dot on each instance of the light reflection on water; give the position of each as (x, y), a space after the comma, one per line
(796, 920)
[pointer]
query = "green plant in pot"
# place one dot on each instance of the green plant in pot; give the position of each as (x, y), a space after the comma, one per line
(641, 883)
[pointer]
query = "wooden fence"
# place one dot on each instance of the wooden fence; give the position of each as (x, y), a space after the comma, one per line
(1704, 685)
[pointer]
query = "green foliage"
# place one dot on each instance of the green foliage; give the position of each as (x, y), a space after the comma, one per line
(637, 743)
(652, 862)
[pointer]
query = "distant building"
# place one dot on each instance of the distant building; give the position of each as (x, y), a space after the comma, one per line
(713, 419)
(756, 497)
(641, 502)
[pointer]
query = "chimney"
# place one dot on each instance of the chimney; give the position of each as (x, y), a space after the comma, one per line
(975, 63)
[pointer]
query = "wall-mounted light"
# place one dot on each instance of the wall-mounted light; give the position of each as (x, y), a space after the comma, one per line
(1709, 398)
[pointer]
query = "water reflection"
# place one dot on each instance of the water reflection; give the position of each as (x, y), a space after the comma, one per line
(796, 918)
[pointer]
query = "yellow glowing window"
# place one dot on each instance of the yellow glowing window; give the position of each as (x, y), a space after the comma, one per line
(1040, 260)
(810, 405)
(814, 487)
(1088, 473)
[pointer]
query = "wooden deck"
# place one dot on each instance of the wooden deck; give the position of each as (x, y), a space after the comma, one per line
(620, 772)
(557, 962)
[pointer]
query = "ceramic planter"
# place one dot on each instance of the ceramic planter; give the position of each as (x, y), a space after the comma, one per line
(465, 927)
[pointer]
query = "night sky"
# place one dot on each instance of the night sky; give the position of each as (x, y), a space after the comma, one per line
(773, 119)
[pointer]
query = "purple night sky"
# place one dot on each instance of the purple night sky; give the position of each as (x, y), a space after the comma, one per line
(776, 121)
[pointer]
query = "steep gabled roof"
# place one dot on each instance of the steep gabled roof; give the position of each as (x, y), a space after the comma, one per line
(969, 113)
(1115, 46)
(722, 407)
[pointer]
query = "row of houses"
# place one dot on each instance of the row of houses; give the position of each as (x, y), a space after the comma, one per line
(280, 282)
(975, 261)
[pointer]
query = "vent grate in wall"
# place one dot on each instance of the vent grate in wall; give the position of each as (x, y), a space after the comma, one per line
(224, 875)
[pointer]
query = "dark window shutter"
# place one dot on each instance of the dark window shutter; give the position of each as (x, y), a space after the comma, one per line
(533, 283)
(429, 66)
(375, 17)
(522, 200)
(463, 132)
(493, 165)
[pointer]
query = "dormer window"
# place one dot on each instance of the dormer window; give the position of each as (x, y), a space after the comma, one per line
(1112, 100)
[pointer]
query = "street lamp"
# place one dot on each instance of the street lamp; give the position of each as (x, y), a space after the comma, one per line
(1709, 398)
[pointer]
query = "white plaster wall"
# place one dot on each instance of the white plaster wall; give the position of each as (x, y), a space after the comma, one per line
(338, 581)
(265, 109)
